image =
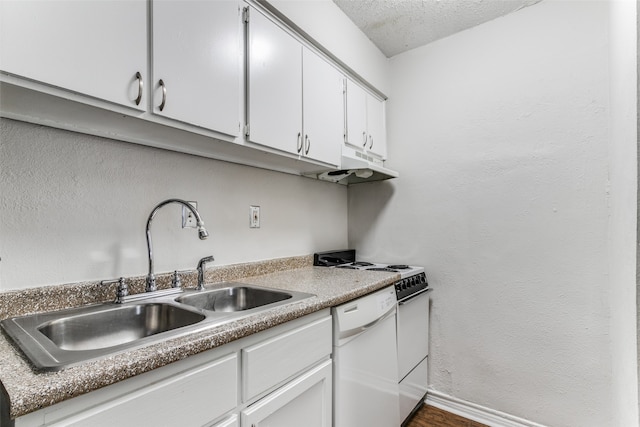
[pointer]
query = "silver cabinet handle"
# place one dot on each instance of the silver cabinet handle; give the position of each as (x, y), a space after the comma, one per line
(140, 84)
(164, 94)
(364, 139)
(299, 143)
(371, 142)
(307, 141)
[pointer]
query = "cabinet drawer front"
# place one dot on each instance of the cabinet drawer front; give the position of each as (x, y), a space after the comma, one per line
(176, 401)
(270, 362)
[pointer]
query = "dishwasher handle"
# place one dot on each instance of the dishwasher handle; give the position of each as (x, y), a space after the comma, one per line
(361, 329)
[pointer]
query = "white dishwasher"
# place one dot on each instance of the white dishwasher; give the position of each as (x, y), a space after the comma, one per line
(365, 369)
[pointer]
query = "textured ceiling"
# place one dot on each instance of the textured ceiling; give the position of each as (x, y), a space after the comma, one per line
(396, 26)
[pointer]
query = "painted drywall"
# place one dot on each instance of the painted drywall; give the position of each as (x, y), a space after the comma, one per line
(623, 204)
(74, 208)
(501, 135)
(323, 21)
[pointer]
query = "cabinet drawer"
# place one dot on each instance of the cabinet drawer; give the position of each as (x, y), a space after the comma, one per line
(272, 361)
(176, 401)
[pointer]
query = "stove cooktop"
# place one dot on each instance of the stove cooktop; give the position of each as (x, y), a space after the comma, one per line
(404, 270)
(412, 278)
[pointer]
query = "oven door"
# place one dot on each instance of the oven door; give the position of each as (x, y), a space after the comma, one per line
(413, 332)
(413, 347)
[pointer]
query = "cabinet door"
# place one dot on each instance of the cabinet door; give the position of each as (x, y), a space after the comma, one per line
(274, 88)
(305, 401)
(191, 398)
(91, 47)
(323, 107)
(196, 54)
(376, 118)
(357, 134)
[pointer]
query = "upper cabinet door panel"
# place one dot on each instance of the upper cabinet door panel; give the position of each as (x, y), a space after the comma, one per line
(274, 89)
(323, 108)
(356, 115)
(91, 47)
(197, 55)
(376, 124)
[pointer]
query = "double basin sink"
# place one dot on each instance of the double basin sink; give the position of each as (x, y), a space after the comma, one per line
(56, 340)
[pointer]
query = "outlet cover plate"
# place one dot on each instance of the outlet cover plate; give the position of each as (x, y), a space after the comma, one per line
(254, 216)
(188, 218)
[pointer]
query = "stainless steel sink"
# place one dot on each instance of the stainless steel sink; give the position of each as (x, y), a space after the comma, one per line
(59, 339)
(112, 327)
(235, 298)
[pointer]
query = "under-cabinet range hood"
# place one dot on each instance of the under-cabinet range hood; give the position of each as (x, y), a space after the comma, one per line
(356, 167)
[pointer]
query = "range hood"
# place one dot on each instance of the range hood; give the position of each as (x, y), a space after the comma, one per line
(356, 167)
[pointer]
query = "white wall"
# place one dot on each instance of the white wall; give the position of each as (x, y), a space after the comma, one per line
(74, 207)
(502, 135)
(329, 26)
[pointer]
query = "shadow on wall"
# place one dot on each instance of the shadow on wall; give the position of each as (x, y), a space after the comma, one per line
(375, 196)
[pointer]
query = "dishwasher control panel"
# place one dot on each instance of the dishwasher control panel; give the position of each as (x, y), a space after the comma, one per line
(354, 316)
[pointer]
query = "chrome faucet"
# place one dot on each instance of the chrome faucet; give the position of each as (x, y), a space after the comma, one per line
(202, 234)
(201, 267)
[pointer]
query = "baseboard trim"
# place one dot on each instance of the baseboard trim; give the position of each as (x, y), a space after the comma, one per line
(475, 412)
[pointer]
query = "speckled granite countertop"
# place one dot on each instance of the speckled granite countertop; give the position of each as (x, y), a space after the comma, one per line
(29, 390)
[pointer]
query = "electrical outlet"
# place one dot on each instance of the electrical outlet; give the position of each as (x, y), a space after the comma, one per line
(254, 216)
(188, 218)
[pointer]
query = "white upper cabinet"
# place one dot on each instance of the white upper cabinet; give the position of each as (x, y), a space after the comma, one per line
(365, 121)
(323, 107)
(376, 121)
(196, 62)
(294, 97)
(274, 86)
(97, 48)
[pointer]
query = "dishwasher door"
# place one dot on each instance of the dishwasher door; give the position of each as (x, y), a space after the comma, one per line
(365, 370)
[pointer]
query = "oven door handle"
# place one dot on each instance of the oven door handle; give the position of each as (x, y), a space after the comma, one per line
(405, 300)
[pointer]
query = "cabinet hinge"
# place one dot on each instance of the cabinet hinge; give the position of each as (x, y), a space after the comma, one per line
(245, 15)
(246, 130)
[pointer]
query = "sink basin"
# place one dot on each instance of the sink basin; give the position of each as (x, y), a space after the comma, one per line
(236, 298)
(117, 326)
(60, 339)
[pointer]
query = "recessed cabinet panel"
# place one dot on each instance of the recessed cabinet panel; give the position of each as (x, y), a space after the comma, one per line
(274, 88)
(232, 421)
(323, 108)
(197, 55)
(357, 134)
(366, 128)
(270, 362)
(305, 401)
(191, 398)
(92, 47)
(377, 143)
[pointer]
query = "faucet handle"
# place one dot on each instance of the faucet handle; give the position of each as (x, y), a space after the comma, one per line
(122, 290)
(176, 282)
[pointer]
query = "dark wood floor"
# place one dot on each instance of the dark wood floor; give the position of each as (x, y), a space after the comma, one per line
(430, 416)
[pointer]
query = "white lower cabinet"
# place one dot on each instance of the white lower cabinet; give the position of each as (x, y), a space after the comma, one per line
(305, 401)
(190, 397)
(278, 377)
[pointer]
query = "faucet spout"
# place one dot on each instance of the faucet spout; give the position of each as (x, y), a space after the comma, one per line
(202, 234)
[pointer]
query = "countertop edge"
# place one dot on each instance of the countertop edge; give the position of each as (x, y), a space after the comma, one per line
(29, 390)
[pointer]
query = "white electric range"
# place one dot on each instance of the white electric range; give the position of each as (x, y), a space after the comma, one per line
(412, 324)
